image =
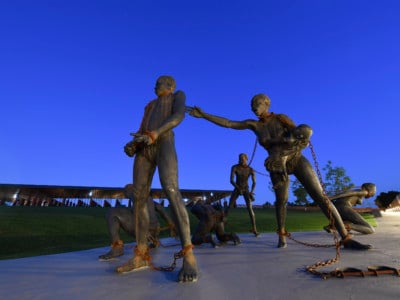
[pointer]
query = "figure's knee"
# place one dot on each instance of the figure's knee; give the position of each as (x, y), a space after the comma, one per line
(172, 191)
(138, 192)
(280, 204)
(368, 230)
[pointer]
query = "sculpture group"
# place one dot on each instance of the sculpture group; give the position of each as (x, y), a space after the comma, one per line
(153, 146)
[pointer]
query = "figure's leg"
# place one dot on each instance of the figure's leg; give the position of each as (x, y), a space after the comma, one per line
(143, 171)
(168, 171)
(281, 193)
(232, 201)
(154, 224)
(249, 206)
(117, 218)
(167, 218)
(307, 177)
(356, 222)
(203, 232)
(224, 237)
(198, 239)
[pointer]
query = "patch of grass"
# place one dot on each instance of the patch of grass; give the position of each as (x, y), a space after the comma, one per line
(239, 220)
(31, 231)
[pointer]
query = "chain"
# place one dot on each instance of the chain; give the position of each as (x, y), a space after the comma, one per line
(254, 151)
(177, 255)
(252, 157)
(313, 268)
(289, 236)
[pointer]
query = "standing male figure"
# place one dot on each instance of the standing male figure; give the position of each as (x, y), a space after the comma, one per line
(284, 141)
(154, 146)
(240, 174)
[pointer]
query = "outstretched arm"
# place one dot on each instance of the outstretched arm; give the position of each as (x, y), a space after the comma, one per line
(350, 194)
(197, 112)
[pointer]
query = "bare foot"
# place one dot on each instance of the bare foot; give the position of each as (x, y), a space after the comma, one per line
(134, 264)
(140, 261)
(352, 244)
(113, 253)
(282, 242)
(236, 239)
(189, 272)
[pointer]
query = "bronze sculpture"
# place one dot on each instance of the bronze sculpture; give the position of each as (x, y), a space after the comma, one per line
(240, 174)
(211, 219)
(154, 147)
(123, 218)
(283, 141)
(344, 203)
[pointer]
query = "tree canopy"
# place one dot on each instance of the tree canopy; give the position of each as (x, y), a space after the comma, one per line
(335, 181)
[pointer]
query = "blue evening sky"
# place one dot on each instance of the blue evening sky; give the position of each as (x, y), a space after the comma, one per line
(76, 75)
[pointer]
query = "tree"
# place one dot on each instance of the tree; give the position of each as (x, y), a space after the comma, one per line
(383, 200)
(336, 181)
(300, 193)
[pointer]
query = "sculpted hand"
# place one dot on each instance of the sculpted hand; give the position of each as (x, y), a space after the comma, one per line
(252, 197)
(142, 138)
(148, 138)
(130, 149)
(196, 112)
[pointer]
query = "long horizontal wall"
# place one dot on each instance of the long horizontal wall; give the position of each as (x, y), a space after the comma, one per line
(45, 195)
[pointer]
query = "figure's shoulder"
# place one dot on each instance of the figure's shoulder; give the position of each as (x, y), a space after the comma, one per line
(234, 167)
(281, 116)
(285, 119)
(180, 94)
(150, 104)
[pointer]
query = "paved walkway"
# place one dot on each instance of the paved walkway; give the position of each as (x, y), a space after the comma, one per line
(254, 270)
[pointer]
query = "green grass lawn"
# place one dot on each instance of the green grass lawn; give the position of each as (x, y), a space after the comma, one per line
(31, 231)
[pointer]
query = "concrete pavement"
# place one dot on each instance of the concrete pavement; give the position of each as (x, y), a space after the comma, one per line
(256, 269)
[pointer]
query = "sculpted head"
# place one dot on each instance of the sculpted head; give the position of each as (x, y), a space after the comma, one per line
(370, 188)
(165, 85)
(243, 159)
(260, 104)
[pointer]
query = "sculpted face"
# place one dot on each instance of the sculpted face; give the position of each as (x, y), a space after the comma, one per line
(243, 159)
(260, 105)
(370, 188)
(165, 85)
